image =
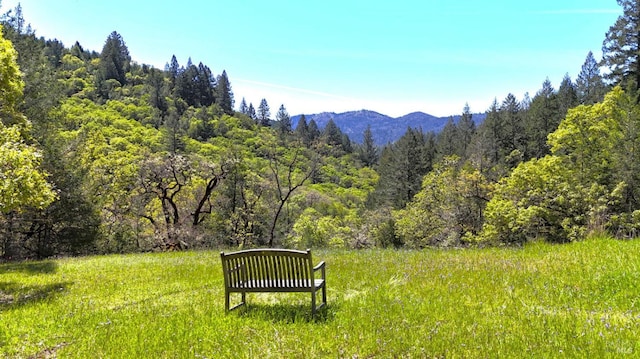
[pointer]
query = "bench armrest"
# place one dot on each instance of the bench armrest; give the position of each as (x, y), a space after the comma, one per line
(320, 267)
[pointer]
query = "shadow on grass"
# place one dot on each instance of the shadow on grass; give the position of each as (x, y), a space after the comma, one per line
(45, 267)
(13, 294)
(287, 313)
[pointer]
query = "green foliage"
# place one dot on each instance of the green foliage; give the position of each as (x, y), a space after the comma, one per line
(620, 48)
(11, 85)
(449, 208)
(114, 63)
(368, 152)
(590, 177)
(590, 87)
(22, 183)
(402, 167)
(540, 199)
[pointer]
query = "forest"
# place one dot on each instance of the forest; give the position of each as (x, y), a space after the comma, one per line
(100, 154)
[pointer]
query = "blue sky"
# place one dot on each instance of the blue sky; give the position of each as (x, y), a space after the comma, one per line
(393, 57)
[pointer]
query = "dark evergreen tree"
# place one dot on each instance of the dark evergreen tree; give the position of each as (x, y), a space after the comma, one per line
(205, 86)
(54, 50)
(187, 84)
(244, 109)
(487, 149)
(224, 95)
(173, 68)
(368, 152)
(114, 59)
(251, 112)
(402, 167)
(314, 132)
(447, 139)
(621, 47)
(302, 130)
(331, 134)
(466, 131)
(158, 93)
(590, 86)
(542, 118)
(78, 51)
(347, 147)
(513, 141)
(567, 97)
(264, 113)
(284, 121)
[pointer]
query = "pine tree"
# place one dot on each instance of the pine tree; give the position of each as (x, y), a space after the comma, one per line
(542, 118)
(187, 85)
(174, 70)
(567, 97)
(264, 113)
(205, 86)
(402, 167)
(331, 134)
(513, 142)
(302, 130)
(114, 59)
(224, 95)
(314, 131)
(621, 47)
(368, 153)
(590, 86)
(447, 139)
(251, 112)
(244, 109)
(466, 131)
(284, 121)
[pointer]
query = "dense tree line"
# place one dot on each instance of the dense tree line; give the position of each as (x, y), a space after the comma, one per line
(114, 156)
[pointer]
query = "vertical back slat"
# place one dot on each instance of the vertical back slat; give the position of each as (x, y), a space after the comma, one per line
(251, 270)
(290, 277)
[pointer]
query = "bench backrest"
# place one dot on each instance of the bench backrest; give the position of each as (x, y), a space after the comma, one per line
(268, 268)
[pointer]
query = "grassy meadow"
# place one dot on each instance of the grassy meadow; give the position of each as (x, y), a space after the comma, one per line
(575, 300)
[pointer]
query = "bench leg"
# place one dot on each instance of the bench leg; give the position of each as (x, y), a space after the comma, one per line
(243, 301)
(313, 303)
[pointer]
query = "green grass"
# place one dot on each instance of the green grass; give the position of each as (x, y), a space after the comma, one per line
(576, 300)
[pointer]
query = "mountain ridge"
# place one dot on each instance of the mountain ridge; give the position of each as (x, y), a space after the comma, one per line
(385, 129)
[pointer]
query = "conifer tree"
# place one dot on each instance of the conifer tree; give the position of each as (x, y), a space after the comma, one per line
(542, 118)
(114, 59)
(466, 131)
(302, 130)
(590, 86)
(332, 134)
(205, 86)
(447, 139)
(567, 97)
(284, 121)
(264, 113)
(224, 95)
(314, 131)
(251, 112)
(368, 151)
(244, 109)
(174, 70)
(621, 46)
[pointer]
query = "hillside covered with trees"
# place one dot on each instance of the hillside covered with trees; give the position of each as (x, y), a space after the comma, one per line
(101, 154)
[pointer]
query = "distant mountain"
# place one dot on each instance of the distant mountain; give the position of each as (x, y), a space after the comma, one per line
(384, 128)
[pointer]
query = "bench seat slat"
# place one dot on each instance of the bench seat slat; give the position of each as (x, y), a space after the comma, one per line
(276, 286)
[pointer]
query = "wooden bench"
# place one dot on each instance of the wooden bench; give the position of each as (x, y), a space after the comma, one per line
(269, 271)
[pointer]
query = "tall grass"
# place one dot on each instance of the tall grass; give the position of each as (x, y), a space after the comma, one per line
(576, 300)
